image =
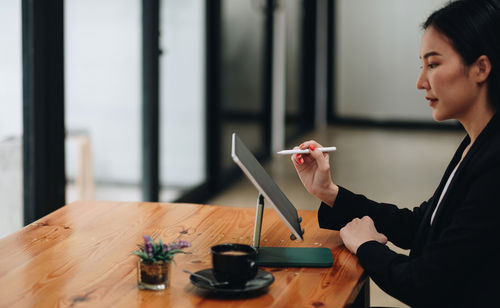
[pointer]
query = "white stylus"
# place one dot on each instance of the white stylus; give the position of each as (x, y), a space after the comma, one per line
(305, 151)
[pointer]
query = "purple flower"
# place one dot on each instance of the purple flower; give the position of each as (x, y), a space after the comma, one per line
(155, 251)
(183, 244)
(176, 245)
(148, 245)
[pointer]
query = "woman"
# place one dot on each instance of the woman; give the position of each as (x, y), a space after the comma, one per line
(454, 236)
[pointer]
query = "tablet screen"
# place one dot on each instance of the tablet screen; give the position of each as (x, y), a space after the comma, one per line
(265, 185)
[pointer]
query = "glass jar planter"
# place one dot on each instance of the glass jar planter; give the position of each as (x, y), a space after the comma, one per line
(153, 276)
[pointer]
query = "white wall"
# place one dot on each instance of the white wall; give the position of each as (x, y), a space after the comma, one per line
(377, 59)
(10, 69)
(103, 88)
(11, 182)
(103, 83)
(11, 194)
(182, 92)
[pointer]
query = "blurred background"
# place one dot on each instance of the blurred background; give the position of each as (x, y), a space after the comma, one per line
(136, 129)
(136, 100)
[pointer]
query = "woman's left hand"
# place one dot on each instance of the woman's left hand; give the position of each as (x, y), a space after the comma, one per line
(359, 231)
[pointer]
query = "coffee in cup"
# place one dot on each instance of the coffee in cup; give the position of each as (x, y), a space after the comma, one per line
(234, 263)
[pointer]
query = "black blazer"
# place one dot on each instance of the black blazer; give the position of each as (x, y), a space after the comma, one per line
(456, 261)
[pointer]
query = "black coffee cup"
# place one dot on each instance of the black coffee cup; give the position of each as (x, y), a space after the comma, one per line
(234, 263)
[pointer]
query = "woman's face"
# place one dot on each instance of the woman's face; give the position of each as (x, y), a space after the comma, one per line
(449, 88)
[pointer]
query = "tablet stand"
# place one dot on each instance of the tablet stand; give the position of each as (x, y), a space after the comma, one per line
(258, 221)
(287, 256)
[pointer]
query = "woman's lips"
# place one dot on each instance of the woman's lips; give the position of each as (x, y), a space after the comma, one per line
(432, 101)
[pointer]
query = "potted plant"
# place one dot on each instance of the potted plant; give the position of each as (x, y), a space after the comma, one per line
(153, 266)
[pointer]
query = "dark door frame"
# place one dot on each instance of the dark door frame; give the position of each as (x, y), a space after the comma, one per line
(44, 179)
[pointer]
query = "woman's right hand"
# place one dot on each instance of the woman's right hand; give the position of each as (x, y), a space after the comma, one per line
(314, 172)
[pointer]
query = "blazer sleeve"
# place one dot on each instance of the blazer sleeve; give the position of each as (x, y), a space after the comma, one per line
(463, 255)
(399, 225)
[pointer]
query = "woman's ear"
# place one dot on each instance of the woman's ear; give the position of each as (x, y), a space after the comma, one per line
(483, 68)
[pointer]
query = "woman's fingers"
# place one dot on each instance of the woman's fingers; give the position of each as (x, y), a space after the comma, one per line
(308, 144)
(321, 158)
(359, 231)
(299, 159)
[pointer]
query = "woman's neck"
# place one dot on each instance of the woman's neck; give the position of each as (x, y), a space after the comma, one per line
(477, 119)
(475, 127)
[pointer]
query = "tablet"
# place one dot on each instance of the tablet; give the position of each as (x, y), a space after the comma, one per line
(276, 256)
(265, 185)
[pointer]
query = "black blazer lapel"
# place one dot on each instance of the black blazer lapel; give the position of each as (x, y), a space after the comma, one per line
(425, 229)
(483, 139)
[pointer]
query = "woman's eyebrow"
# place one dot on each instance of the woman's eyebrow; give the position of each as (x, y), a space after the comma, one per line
(430, 53)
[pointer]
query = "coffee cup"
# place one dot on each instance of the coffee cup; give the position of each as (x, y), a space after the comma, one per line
(234, 263)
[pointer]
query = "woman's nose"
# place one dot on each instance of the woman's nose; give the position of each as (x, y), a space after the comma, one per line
(422, 83)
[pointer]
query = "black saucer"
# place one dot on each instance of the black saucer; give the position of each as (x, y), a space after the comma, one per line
(260, 281)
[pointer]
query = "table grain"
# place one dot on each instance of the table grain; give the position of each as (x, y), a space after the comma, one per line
(80, 256)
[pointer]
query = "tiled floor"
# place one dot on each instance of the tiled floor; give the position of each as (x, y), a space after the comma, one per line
(401, 166)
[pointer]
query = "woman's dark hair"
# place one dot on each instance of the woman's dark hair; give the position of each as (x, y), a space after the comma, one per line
(473, 26)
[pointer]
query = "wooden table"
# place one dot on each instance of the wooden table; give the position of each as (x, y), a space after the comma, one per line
(80, 255)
